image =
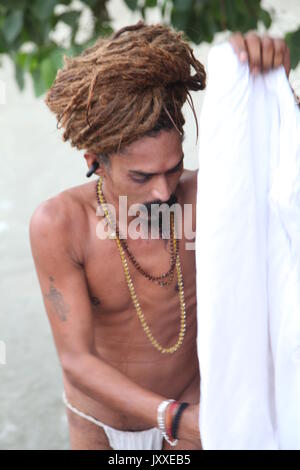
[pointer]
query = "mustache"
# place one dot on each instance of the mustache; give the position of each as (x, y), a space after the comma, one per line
(172, 200)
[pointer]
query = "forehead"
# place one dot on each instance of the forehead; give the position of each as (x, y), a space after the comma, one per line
(152, 154)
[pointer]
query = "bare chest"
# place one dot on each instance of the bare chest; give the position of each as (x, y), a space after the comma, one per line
(120, 338)
(119, 333)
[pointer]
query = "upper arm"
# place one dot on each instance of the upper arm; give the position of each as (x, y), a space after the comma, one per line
(62, 281)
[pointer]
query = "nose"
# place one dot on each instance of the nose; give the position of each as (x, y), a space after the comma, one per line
(161, 189)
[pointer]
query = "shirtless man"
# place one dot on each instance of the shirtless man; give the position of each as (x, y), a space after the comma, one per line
(111, 370)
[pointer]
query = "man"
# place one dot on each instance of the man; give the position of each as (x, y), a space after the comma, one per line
(125, 333)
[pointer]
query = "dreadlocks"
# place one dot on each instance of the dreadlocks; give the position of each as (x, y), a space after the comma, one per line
(124, 87)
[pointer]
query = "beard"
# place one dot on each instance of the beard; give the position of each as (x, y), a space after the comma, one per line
(159, 218)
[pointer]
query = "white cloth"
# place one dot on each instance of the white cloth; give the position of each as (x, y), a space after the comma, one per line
(149, 439)
(248, 258)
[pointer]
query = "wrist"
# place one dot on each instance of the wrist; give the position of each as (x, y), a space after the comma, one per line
(185, 423)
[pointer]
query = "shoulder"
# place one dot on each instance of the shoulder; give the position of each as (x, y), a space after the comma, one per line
(54, 213)
(54, 223)
(188, 183)
(189, 175)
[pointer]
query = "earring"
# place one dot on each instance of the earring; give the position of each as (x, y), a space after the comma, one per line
(92, 170)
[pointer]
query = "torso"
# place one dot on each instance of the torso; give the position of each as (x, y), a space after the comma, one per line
(119, 337)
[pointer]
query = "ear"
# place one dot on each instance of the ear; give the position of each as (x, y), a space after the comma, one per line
(90, 158)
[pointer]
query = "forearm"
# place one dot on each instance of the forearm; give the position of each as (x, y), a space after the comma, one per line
(105, 384)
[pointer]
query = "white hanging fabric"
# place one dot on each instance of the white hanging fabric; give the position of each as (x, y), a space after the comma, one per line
(248, 258)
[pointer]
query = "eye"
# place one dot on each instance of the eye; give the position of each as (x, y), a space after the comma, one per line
(140, 179)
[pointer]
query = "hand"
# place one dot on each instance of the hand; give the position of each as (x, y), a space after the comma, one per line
(262, 53)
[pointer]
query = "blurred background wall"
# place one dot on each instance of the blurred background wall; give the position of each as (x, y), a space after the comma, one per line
(36, 164)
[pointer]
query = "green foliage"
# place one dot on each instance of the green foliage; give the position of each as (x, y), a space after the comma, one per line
(32, 21)
(132, 4)
(201, 19)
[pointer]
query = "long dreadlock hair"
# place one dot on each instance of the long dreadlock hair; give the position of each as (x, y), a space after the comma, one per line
(131, 84)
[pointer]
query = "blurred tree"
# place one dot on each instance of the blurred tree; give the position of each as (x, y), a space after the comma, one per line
(31, 23)
(27, 26)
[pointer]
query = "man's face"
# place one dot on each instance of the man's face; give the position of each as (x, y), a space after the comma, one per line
(148, 171)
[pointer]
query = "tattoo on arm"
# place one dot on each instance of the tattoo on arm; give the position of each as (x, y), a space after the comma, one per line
(57, 300)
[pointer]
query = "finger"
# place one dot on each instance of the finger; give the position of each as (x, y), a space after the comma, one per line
(267, 50)
(279, 52)
(287, 61)
(238, 43)
(253, 44)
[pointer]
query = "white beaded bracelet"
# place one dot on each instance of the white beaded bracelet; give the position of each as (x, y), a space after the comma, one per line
(161, 420)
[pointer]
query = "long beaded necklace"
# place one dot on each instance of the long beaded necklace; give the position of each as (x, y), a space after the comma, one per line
(131, 288)
(160, 280)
